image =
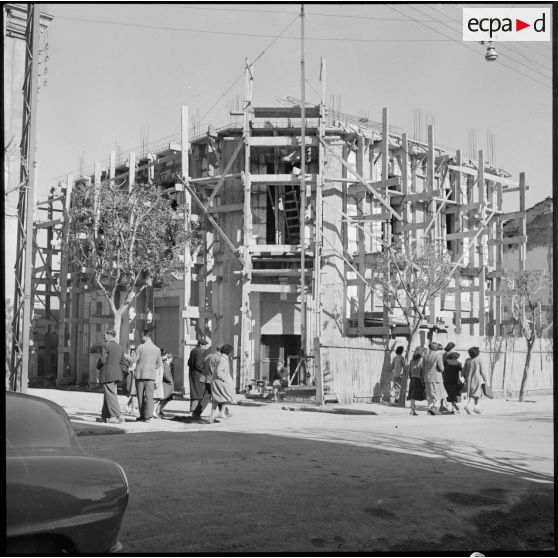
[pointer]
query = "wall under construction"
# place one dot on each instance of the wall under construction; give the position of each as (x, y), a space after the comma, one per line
(294, 209)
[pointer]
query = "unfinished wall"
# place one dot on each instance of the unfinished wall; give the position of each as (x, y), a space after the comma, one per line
(355, 368)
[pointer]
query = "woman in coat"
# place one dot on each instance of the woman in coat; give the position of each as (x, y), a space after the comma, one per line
(451, 374)
(416, 375)
(222, 388)
(474, 375)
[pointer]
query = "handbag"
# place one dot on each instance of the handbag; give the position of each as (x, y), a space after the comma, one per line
(461, 387)
(487, 390)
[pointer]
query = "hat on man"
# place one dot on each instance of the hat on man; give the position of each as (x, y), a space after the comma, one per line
(202, 342)
(225, 349)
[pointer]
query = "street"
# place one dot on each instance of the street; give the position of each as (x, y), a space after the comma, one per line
(274, 480)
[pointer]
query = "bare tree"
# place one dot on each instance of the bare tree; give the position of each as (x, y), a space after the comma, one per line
(127, 239)
(529, 294)
(408, 277)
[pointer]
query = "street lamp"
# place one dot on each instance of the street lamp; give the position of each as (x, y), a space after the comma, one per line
(491, 54)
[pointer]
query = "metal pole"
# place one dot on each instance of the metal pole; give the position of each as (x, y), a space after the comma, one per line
(302, 204)
(21, 323)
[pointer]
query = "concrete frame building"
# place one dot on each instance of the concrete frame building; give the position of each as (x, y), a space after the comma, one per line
(294, 204)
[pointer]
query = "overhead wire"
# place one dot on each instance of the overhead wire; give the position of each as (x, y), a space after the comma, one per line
(254, 35)
(504, 48)
(469, 47)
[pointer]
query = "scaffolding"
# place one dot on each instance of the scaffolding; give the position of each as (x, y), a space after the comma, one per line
(295, 205)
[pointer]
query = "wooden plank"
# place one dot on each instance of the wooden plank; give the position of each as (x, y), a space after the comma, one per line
(280, 179)
(279, 272)
(47, 224)
(286, 112)
(229, 208)
(358, 188)
(368, 331)
(417, 197)
(372, 217)
(474, 320)
(275, 249)
(267, 288)
(281, 141)
(212, 179)
(510, 190)
(487, 176)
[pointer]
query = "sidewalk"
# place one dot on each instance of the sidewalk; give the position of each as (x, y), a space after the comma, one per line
(84, 407)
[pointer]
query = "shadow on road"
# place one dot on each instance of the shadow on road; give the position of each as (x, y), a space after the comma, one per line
(216, 491)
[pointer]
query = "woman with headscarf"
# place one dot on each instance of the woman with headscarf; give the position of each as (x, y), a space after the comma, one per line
(222, 388)
(451, 373)
(474, 375)
(433, 380)
(416, 375)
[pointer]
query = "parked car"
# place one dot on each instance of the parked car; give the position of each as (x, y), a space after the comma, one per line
(58, 499)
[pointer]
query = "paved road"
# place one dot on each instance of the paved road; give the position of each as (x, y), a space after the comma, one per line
(271, 480)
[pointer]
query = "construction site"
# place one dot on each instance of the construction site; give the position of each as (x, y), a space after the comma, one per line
(294, 204)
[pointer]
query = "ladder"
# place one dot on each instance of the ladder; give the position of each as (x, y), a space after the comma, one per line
(292, 214)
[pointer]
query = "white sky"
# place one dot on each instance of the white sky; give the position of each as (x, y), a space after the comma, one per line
(109, 81)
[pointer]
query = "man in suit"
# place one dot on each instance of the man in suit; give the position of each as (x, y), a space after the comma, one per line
(110, 374)
(195, 373)
(148, 360)
(433, 380)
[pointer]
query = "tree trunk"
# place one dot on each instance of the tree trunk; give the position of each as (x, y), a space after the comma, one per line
(117, 322)
(530, 344)
(405, 377)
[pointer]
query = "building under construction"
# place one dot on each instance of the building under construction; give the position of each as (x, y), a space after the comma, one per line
(294, 204)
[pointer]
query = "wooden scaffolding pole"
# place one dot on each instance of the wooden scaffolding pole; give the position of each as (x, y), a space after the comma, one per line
(246, 345)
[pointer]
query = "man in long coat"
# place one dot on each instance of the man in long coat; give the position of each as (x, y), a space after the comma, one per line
(148, 360)
(195, 373)
(111, 373)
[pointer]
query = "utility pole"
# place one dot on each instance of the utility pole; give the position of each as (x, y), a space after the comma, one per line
(302, 367)
(21, 322)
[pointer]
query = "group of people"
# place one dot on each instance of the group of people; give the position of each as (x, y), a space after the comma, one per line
(149, 380)
(210, 381)
(148, 376)
(440, 378)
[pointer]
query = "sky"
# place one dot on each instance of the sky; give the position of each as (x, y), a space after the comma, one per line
(117, 75)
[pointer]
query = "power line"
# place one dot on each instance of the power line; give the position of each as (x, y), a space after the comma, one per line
(470, 48)
(255, 35)
(503, 48)
(307, 13)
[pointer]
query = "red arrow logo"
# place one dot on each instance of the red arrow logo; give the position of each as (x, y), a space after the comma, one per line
(519, 25)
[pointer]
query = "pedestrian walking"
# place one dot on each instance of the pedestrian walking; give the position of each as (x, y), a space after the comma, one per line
(149, 359)
(433, 379)
(165, 391)
(110, 375)
(209, 367)
(474, 375)
(416, 384)
(196, 362)
(397, 367)
(451, 374)
(222, 388)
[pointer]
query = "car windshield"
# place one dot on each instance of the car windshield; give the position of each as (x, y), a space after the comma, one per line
(35, 422)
